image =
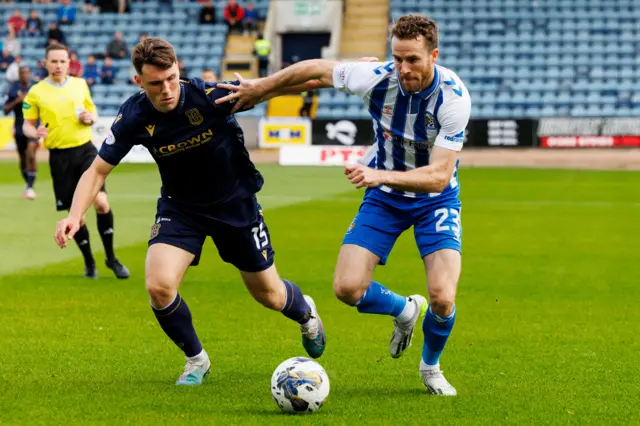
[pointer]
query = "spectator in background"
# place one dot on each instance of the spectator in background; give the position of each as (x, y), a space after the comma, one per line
(34, 24)
(251, 19)
(13, 70)
(183, 70)
(143, 37)
(261, 50)
(75, 66)
(17, 24)
(40, 72)
(124, 6)
(208, 75)
(12, 44)
(5, 59)
(108, 72)
(116, 48)
(55, 34)
(208, 13)
(91, 74)
(113, 6)
(233, 15)
(66, 13)
(307, 103)
(90, 6)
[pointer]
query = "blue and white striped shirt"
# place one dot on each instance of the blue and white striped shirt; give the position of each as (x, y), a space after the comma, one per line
(407, 125)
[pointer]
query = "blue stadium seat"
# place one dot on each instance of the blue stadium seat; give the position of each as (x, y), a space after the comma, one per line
(566, 57)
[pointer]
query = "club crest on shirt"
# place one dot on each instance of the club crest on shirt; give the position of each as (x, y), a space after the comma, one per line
(429, 121)
(194, 116)
(155, 229)
(110, 140)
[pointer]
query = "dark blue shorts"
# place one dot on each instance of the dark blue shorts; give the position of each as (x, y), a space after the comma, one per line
(248, 248)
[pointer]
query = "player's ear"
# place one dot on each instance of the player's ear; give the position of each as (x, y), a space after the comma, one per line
(136, 78)
(434, 54)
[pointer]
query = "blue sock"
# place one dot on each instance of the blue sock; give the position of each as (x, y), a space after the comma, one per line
(176, 322)
(24, 176)
(436, 332)
(378, 299)
(31, 178)
(295, 307)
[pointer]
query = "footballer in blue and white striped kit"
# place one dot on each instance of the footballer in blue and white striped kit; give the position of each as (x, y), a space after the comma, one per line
(420, 111)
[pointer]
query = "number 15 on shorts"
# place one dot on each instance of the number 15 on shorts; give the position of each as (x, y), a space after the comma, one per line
(448, 220)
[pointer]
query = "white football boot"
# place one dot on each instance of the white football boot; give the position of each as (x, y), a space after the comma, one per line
(195, 371)
(434, 380)
(403, 331)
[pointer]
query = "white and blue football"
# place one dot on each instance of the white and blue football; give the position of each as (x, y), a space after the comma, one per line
(299, 385)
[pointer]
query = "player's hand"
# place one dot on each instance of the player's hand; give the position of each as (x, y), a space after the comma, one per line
(85, 117)
(362, 176)
(65, 230)
(42, 132)
(247, 94)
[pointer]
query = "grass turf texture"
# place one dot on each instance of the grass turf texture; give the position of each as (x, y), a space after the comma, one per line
(546, 329)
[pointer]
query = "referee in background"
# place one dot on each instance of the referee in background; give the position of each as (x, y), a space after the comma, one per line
(66, 112)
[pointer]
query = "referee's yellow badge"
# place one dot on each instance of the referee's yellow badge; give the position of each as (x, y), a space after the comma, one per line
(194, 116)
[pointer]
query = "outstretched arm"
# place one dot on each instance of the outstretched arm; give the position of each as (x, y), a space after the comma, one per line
(294, 90)
(311, 74)
(301, 72)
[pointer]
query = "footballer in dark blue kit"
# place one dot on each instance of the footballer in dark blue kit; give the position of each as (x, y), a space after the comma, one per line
(208, 180)
(26, 147)
(209, 187)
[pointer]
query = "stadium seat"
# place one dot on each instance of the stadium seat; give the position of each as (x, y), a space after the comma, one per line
(567, 52)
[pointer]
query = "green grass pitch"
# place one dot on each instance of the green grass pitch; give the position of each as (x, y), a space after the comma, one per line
(547, 327)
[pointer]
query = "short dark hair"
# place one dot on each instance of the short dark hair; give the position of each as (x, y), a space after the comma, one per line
(54, 46)
(413, 26)
(153, 51)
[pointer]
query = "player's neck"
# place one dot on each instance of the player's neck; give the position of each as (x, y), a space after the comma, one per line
(428, 84)
(57, 81)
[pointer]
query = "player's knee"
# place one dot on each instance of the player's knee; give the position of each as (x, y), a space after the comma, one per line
(349, 289)
(161, 290)
(102, 207)
(441, 303)
(101, 203)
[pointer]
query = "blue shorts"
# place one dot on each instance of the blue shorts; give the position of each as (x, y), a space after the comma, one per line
(383, 217)
(248, 247)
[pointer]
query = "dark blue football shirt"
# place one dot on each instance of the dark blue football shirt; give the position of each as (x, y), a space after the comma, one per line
(199, 149)
(15, 90)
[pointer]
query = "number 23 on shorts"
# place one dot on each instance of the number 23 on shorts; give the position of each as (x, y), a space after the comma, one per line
(448, 220)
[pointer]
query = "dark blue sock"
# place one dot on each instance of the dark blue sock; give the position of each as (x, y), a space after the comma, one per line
(31, 178)
(378, 299)
(176, 322)
(295, 307)
(25, 177)
(436, 332)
